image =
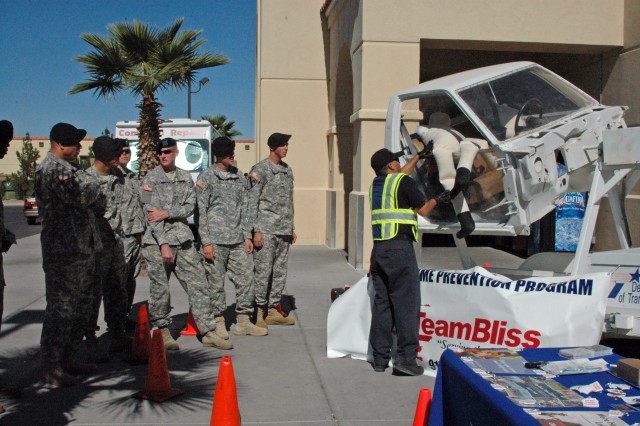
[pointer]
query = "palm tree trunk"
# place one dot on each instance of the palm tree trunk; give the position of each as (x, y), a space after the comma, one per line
(149, 133)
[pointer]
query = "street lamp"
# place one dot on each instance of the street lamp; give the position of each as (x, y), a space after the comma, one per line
(201, 83)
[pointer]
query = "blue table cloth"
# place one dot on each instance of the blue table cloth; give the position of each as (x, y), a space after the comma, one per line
(462, 397)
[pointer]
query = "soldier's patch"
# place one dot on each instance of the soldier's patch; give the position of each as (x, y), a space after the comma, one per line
(64, 177)
(201, 184)
(147, 187)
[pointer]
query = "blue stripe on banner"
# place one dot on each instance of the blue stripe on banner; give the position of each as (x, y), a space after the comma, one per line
(615, 290)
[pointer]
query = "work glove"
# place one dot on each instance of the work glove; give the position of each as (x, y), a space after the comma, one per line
(443, 198)
(426, 152)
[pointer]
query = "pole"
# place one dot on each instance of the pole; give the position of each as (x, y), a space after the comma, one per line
(189, 102)
(201, 83)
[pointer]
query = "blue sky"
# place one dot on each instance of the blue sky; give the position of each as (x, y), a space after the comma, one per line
(40, 38)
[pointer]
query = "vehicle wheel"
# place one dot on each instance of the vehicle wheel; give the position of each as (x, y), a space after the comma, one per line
(31, 220)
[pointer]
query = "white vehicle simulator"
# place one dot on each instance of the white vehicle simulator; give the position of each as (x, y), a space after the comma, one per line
(510, 141)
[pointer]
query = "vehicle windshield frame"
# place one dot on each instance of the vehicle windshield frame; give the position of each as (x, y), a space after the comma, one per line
(521, 102)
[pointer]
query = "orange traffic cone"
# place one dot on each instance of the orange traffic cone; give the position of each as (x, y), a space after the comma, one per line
(158, 386)
(191, 329)
(225, 401)
(142, 339)
(423, 408)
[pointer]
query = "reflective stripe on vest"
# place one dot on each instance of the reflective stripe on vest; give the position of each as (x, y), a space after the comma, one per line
(385, 214)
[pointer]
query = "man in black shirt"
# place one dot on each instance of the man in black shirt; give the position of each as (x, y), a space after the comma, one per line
(395, 200)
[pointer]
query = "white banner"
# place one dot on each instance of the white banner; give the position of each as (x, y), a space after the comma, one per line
(475, 308)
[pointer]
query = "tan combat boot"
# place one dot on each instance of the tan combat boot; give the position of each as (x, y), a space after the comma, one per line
(244, 327)
(221, 328)
(212, 340)
(169, 343)
(275, 317)
(260, 322)
(57, 377)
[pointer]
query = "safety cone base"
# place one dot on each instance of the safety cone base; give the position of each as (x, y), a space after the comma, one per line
(191, 329)
(158, 396)
(158, 385)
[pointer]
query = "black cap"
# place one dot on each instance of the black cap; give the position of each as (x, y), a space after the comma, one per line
(122, 143)
(223, 147)
(166, 143)
(382, 157)
(106, 149)
(278, 139)
(66, 134)
(6, 132)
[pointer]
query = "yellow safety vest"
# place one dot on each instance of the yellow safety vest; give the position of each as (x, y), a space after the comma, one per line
(385, 214)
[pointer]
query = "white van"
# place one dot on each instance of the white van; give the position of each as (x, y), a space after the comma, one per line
(194, 139)
(194, 142)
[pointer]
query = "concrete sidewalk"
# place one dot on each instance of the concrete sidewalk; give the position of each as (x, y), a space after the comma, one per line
(284, 378)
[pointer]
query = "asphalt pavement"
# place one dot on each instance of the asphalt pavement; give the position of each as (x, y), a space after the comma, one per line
(284, 378)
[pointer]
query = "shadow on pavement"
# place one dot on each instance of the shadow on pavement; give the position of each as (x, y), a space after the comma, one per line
(109, 392)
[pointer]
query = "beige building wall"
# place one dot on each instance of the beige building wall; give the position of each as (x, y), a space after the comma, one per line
(291, 97)
(362, 51)
(245, 154)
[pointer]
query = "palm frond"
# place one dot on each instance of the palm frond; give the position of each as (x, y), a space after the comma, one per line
(144, 60)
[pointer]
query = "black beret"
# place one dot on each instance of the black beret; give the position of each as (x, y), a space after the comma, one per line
(6, 132)
(122, 143)
(278, 139)
(66, 134)
(165, 143)
(223, 147)
(106, 149)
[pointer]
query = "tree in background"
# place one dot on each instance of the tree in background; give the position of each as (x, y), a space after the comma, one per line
(220, 123)
(84, 162)
(144, 60)
(24, 180)
(106, 132)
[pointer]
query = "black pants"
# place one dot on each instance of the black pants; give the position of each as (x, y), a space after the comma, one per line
(394, 273)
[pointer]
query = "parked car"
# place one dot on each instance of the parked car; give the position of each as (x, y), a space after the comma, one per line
(31, 209)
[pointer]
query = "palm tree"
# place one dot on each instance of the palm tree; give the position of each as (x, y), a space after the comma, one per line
(220, 123)
(143, 60)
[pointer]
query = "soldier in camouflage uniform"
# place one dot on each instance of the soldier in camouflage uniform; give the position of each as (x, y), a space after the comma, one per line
(110, 265)
(6, 237)
(133, 221)
(226, 241)
(69, 201)
(169, 198)
(271, 214)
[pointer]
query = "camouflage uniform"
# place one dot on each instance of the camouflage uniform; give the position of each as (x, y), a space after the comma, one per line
(7, 239)
(176, 195)
(271, 213)
(133, 226)
(2, 282)
(69, 201)
(222, 206)
(110, 265)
